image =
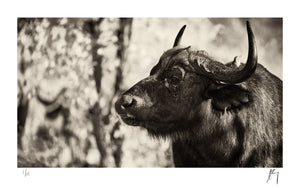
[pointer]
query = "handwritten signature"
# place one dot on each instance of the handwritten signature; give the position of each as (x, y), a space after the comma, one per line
(271, 174)
(26, 173)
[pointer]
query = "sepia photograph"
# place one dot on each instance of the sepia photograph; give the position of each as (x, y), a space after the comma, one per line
(149, 94)
(131, 92)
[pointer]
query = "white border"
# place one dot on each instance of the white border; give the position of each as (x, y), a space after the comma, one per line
(11, 176)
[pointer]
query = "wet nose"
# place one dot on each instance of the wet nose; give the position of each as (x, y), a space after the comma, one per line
(127, 101)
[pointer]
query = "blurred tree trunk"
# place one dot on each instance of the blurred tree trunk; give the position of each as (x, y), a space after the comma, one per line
(23, 104)
(114, 144)
(92, 26)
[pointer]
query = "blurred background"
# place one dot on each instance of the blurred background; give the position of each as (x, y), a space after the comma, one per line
(72, 70)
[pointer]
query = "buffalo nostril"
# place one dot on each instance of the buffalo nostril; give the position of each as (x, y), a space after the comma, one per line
(128, 101)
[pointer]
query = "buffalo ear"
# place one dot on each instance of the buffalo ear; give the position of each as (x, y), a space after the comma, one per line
(227, 97)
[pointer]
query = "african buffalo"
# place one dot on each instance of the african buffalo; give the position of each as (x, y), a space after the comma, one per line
(215, 114)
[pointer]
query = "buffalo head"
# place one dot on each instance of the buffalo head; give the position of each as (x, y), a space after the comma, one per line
(170, 98)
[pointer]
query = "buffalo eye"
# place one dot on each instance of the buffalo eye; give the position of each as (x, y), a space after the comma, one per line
(173, 80)
(174, 76)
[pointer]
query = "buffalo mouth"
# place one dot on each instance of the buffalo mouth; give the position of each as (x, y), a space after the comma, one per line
(129, 120)
(150, 125)
(134, 121)
(134, 118)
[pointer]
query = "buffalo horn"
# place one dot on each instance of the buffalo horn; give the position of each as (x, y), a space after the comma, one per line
(221, 72)
(178, 37)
